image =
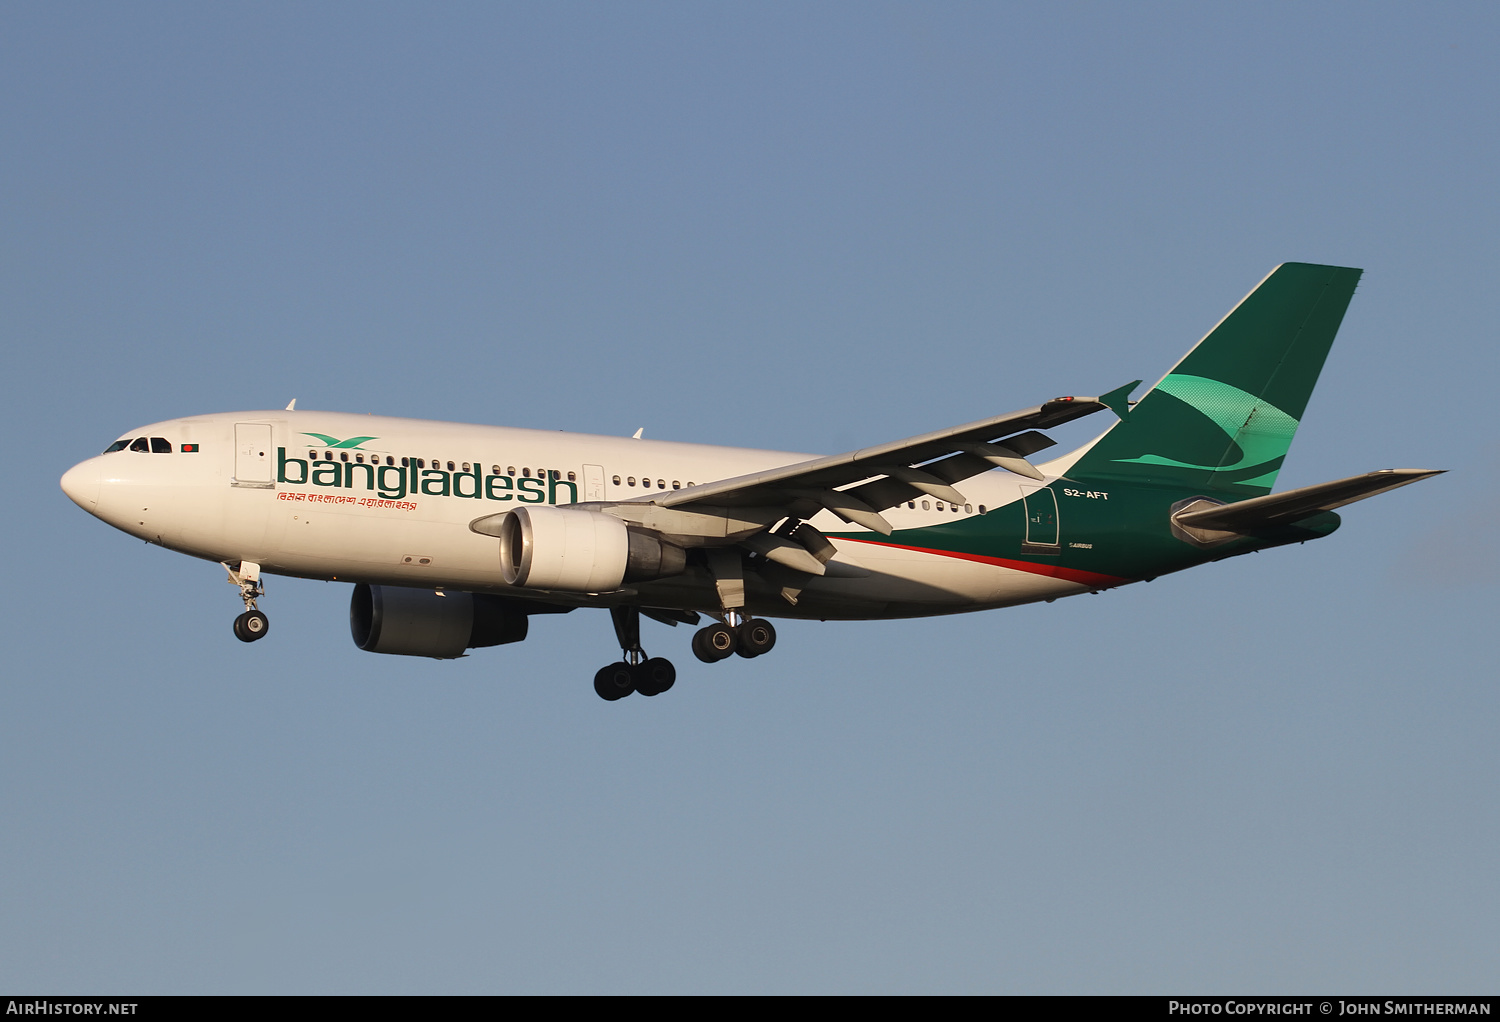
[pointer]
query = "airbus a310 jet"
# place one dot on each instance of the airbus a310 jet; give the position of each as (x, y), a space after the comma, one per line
(454, 535)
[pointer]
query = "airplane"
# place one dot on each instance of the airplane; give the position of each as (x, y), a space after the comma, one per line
(455, 535)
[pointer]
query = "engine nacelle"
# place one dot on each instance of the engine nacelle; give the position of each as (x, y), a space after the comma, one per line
(577, 550)
(419, 622)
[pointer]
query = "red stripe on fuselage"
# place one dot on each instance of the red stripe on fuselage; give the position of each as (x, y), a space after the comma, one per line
(1085, 578)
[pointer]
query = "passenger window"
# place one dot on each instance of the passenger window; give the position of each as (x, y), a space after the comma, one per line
(981, 509)
(968, 509)
(361, 458)
(526, 472)
(676, 485)
(343, 455)
(661, 484)
(140, 445)
(511, 471)
(573, 477)
(406, 463)
(911, 504)
(617, 480)
(450, 466)
(630, 481)
(118, 445)
(925, 506)
(494, 470)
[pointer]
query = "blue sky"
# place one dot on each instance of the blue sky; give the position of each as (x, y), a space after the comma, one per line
(797, 226)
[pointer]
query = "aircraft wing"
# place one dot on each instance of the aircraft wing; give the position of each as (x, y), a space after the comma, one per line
(880, 477)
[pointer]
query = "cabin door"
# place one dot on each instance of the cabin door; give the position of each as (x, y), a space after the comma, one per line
(1041, 519)
(252, 455)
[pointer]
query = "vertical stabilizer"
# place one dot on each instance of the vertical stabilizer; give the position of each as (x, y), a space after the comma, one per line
(1224, 417)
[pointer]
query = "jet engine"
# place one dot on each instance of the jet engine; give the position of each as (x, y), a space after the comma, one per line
(422, 622)
(577, 550)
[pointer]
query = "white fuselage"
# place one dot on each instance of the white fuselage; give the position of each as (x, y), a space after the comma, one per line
(278, 490)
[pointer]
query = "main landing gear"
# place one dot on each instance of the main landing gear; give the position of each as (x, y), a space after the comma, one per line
(650, 676)
(253, 623)
(749, 637)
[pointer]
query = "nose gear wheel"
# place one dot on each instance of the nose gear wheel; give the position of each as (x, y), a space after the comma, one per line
(251, 625)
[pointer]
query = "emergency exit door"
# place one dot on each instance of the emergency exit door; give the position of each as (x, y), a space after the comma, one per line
(593, 482)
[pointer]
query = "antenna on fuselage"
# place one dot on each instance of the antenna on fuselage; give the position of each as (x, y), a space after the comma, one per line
(292, 405)
(637, 434)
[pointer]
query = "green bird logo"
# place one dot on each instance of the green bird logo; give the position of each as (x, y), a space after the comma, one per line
(333, 441)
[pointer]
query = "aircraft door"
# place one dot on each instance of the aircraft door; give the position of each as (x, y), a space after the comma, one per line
(1041, 519)
(252, 455)
(593, 482)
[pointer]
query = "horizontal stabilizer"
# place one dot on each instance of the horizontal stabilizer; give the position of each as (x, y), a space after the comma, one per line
(1294, 505)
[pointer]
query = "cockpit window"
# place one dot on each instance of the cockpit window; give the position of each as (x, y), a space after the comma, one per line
(140, 445)
(118, 445)
(161, 445)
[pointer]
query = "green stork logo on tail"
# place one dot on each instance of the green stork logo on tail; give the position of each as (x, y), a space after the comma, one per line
(1223, 419)
(1261, 431)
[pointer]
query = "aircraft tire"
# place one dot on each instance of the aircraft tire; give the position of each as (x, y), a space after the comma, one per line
(714, 643)
(654, 676)
(756, 636)
(251, 625)
(615, 681)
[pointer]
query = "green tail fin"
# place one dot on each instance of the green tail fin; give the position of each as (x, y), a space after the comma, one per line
(1224, 417)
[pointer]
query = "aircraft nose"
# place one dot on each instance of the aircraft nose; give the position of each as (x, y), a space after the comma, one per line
(81, 484)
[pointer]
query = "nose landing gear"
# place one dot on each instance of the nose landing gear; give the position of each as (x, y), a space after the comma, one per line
(252, 624)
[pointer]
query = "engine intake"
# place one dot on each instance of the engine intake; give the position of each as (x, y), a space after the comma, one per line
(419, 622)
(578, 550)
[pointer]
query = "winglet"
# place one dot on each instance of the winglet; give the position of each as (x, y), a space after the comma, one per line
(1118, 399)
